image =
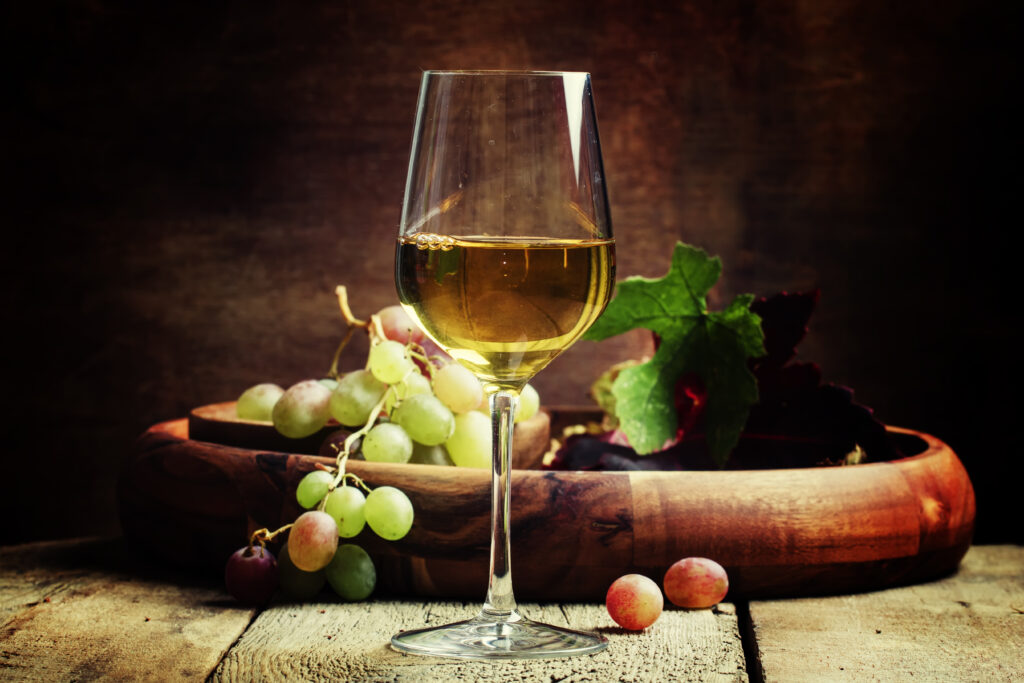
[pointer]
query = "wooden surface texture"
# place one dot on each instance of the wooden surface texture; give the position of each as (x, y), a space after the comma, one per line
(969, 627)
(324, 641)
(90, 610)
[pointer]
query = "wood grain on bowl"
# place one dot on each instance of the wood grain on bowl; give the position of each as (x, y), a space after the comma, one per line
(787, 532)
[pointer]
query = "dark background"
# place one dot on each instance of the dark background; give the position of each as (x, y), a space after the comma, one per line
(185, 184)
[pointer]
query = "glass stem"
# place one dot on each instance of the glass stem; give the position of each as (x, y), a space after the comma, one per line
(500, 601)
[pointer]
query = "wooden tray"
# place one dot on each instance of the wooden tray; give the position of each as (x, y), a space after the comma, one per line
(791, 532)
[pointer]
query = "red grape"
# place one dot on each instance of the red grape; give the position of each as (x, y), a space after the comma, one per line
(696, 583)
(312, 540)
(634, 601)
(399, 326)
(251, 575)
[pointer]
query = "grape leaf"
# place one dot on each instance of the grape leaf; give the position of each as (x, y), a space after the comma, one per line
(715, 345)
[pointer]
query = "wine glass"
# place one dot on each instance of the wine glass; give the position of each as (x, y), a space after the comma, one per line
(505, 257)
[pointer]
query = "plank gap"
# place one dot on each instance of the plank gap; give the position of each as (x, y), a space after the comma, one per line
(748, 640)
(241, 634)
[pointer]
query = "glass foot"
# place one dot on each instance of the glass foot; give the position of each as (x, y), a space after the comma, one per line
(492, 636)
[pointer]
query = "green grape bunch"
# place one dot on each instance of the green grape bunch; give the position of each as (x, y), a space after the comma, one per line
(410, 403)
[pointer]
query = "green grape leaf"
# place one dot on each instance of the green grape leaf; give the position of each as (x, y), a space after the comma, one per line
(716, 345)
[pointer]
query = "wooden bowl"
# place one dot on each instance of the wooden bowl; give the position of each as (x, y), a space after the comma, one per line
(789, 532)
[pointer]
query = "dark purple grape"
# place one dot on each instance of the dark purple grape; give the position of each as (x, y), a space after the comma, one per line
(251, 575)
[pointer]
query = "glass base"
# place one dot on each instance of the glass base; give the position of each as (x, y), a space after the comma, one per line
(508, 636)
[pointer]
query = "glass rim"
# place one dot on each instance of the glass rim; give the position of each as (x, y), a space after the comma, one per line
(500, 72)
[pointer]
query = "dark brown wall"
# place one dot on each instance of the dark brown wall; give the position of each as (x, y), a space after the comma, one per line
(185, 185)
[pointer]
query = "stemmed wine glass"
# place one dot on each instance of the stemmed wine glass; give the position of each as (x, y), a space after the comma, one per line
(505, 257)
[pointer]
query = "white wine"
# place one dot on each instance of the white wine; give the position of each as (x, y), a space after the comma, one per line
(504, 306)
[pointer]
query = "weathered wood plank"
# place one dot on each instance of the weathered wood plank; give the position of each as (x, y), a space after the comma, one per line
(337, 641)
(89, 610)
(969, 626)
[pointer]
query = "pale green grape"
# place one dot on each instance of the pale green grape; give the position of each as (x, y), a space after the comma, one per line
(351, 573)
(345, 505)
(257, 403)
(470, 443)
(302, 409)
(389, 361)
(425, 419)
(430, 455)
(458, 388)
(529, 403)
(356, 395)
(387, 442)
(389, 512)
(412, 384)
(313, 487)
(329, 382)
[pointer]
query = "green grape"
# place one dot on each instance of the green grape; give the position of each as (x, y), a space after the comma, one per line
(345, 505)
(458, 388)
(387, 442)
(425, 419)
(529, 403)
(257, 403)
(470, 443)
(329, 382)
(389, 361)
(412, 384)
(296, 583)
(356, 395)
(351, 573)
(388, 512)
(430, 455)
(302, 409)
(313, 487)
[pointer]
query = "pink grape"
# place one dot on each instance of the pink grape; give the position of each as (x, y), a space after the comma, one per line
(634, 601)
(399, 326)
(302, 410)
(312, 540)
(251, 575)
(696, 583)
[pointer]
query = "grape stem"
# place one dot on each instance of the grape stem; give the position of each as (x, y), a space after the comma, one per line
(346, 312)
(376, 329)
(357, 481)
(372, 326)
(333, 372)
(264, 535)
(419, 353)
(346, 448)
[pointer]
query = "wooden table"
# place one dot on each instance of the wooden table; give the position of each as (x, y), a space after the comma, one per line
(90, 609)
